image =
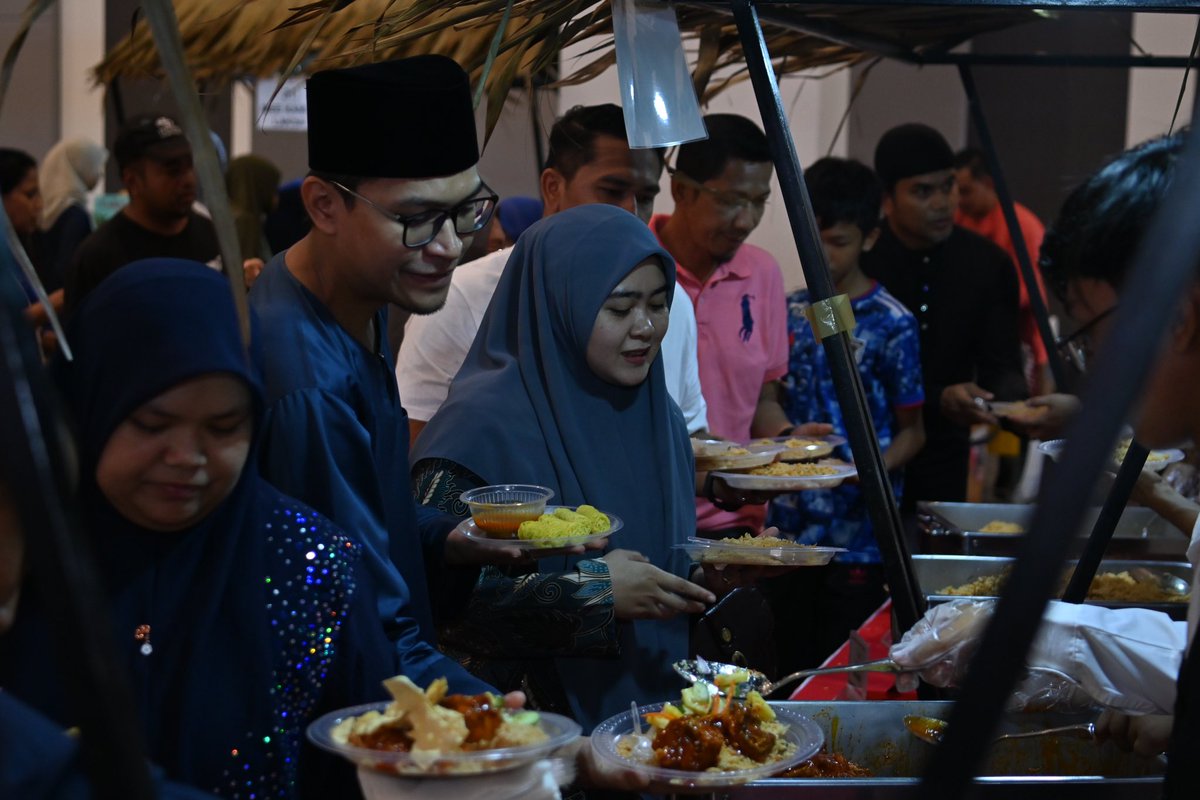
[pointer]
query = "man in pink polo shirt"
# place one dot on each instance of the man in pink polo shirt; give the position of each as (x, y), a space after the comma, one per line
(720, 186)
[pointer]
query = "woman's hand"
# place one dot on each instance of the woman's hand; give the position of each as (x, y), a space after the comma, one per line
(643, 591)
(251, 269)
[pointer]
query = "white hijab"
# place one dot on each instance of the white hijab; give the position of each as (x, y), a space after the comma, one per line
(70, 170)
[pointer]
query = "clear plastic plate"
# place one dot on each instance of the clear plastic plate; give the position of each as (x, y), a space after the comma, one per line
(1156, 461)
(788, 483)
(714, 454)
(472, 531)
(716, 551)
(801, 732)
(812, 447)
(559, 731)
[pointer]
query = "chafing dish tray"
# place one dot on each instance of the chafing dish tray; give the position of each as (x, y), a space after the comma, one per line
(937, 572)
(872, 734)
(957, 528)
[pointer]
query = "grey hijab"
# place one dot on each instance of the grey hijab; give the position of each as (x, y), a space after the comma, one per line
(526, 408)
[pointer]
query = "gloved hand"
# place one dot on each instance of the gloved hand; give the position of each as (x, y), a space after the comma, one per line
(938, 648)
(1048, 690)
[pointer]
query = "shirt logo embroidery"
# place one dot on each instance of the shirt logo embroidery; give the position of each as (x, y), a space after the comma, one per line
(747, 318)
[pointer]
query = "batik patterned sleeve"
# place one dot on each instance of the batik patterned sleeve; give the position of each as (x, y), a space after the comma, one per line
(802, 366)
(533, 615)
(902, 369)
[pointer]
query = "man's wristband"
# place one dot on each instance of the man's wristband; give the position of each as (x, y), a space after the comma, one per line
(724, 505)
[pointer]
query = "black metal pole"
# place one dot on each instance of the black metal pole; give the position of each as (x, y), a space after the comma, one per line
(907, 601)
(1024, 263)
(1106, 523)
(34, 472)
(1165, 267)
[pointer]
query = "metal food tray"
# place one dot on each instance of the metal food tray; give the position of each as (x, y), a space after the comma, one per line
(939, 571)
(954, 528)
(872, 734)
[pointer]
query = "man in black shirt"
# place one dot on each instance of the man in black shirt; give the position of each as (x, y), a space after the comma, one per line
(963, 292)
(156, 167)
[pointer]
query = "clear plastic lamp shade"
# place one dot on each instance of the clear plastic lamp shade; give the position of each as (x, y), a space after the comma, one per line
(657, 95)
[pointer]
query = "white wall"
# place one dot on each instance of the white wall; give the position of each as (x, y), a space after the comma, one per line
(1153, 92)
(82, 105)
(815, 106)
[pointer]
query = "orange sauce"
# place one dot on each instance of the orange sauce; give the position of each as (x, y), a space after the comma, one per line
(503, 522)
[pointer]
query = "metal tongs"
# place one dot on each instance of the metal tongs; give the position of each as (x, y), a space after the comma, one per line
(701, 670)
(933, 730)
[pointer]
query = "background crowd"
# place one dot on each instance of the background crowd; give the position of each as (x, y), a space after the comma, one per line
(284, 522)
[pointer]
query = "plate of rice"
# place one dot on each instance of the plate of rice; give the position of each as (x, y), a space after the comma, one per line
(760, 550)
(1157, 461)
(728, 741)
(790, 477)
(803, 448)
(719, 454)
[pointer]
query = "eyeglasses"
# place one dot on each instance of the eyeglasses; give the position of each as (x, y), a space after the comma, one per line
(732, 203)
(421, 229)
(1078, 348)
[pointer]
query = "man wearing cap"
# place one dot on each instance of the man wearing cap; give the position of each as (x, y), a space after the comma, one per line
(392, 192)
(156, 168)
(963, 292)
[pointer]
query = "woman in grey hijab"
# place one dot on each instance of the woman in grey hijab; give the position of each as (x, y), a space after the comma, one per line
(563, 388)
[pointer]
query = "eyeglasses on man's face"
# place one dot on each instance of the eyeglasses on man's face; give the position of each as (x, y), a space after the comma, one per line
(731, 203)
(1079, 347)
(420, 229)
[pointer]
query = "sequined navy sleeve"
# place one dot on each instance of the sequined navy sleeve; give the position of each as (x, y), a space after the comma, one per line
(533, 615)
(308, 585)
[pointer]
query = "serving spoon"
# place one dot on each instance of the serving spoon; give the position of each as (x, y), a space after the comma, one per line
(700, 669)
(1172, 584)
(933, 730)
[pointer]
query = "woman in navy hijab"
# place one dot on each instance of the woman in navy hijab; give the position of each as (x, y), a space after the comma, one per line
(563, 388)
(235, 608)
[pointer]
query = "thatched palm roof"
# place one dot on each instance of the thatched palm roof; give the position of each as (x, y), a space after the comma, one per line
(230, 39)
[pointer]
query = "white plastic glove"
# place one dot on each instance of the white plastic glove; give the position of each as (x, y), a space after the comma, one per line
(1047, 690)
(938, 648)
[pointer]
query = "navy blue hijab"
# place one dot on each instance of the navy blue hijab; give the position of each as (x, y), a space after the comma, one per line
(526, 408)
(151, 326)
(209, 679)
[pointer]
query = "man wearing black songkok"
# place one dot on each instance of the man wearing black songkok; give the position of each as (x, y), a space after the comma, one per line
(392, 193)
(963, 292)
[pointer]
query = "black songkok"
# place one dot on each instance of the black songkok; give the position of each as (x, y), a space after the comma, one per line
(908, 150)
(410, 118)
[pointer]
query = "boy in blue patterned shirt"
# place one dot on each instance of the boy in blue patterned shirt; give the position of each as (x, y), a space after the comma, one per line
(846, 198)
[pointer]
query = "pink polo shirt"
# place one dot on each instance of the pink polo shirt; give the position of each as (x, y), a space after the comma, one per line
(742, 342)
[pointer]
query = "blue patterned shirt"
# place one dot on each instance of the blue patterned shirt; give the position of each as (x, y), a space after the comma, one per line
(886, 349)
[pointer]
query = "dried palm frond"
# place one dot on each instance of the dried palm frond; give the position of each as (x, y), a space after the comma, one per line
(230, 39)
